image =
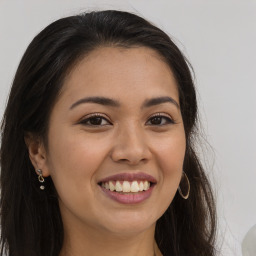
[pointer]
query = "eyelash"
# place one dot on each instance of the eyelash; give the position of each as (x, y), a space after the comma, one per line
(93, 116)
(101, 117)
(168, 119)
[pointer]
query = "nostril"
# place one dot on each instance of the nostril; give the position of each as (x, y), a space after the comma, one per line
(132, 161)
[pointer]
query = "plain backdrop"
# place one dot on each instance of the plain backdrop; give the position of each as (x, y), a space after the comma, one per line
(219, 39)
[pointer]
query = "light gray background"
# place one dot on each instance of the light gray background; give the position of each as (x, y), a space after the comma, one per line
(219, 39)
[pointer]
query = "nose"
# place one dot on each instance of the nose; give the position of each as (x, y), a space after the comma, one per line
(130, 146)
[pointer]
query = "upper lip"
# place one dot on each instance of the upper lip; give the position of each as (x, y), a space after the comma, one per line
(128, 176)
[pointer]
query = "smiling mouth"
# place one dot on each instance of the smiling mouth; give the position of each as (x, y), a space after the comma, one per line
(127, 186)
(128, 183)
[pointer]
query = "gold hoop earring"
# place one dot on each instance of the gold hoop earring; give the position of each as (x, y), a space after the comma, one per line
(188, 187)
(41, 178)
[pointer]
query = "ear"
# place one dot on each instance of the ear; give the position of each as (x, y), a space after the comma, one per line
(37, 153)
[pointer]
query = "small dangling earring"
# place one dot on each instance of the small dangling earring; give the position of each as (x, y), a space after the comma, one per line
(188, 186)
(41, 178)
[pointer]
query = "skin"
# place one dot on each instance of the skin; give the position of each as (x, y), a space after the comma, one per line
(127, 139)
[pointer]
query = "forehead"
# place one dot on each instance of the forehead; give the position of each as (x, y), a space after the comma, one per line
(110, 71)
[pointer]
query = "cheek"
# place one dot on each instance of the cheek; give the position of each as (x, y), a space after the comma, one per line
(170, 158)
(73, 148)
(74, 159)
(170, 152)
(74, 162)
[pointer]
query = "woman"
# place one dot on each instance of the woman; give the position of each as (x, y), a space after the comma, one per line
(97, 138)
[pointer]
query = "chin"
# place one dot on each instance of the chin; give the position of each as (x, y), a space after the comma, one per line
(129, 223)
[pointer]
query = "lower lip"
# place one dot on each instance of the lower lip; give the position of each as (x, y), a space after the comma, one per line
(132, 198)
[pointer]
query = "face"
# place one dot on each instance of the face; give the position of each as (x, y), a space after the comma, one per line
(116, 127)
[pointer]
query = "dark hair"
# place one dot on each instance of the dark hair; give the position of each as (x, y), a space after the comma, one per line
(31, 220)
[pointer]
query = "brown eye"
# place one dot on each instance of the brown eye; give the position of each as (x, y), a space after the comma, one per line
(95, 121)
(156, 120)
(160, 120)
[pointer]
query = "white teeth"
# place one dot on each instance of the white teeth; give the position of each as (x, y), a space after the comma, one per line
(135, 186)
(119, 187)
(111, 186)
(146, 185)
(141, 186)
(126, 186)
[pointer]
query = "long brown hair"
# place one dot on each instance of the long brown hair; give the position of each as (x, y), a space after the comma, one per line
(30, 219)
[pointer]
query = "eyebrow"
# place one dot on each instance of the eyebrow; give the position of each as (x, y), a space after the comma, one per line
(98, 100)
(114, 103)
(159, 100)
